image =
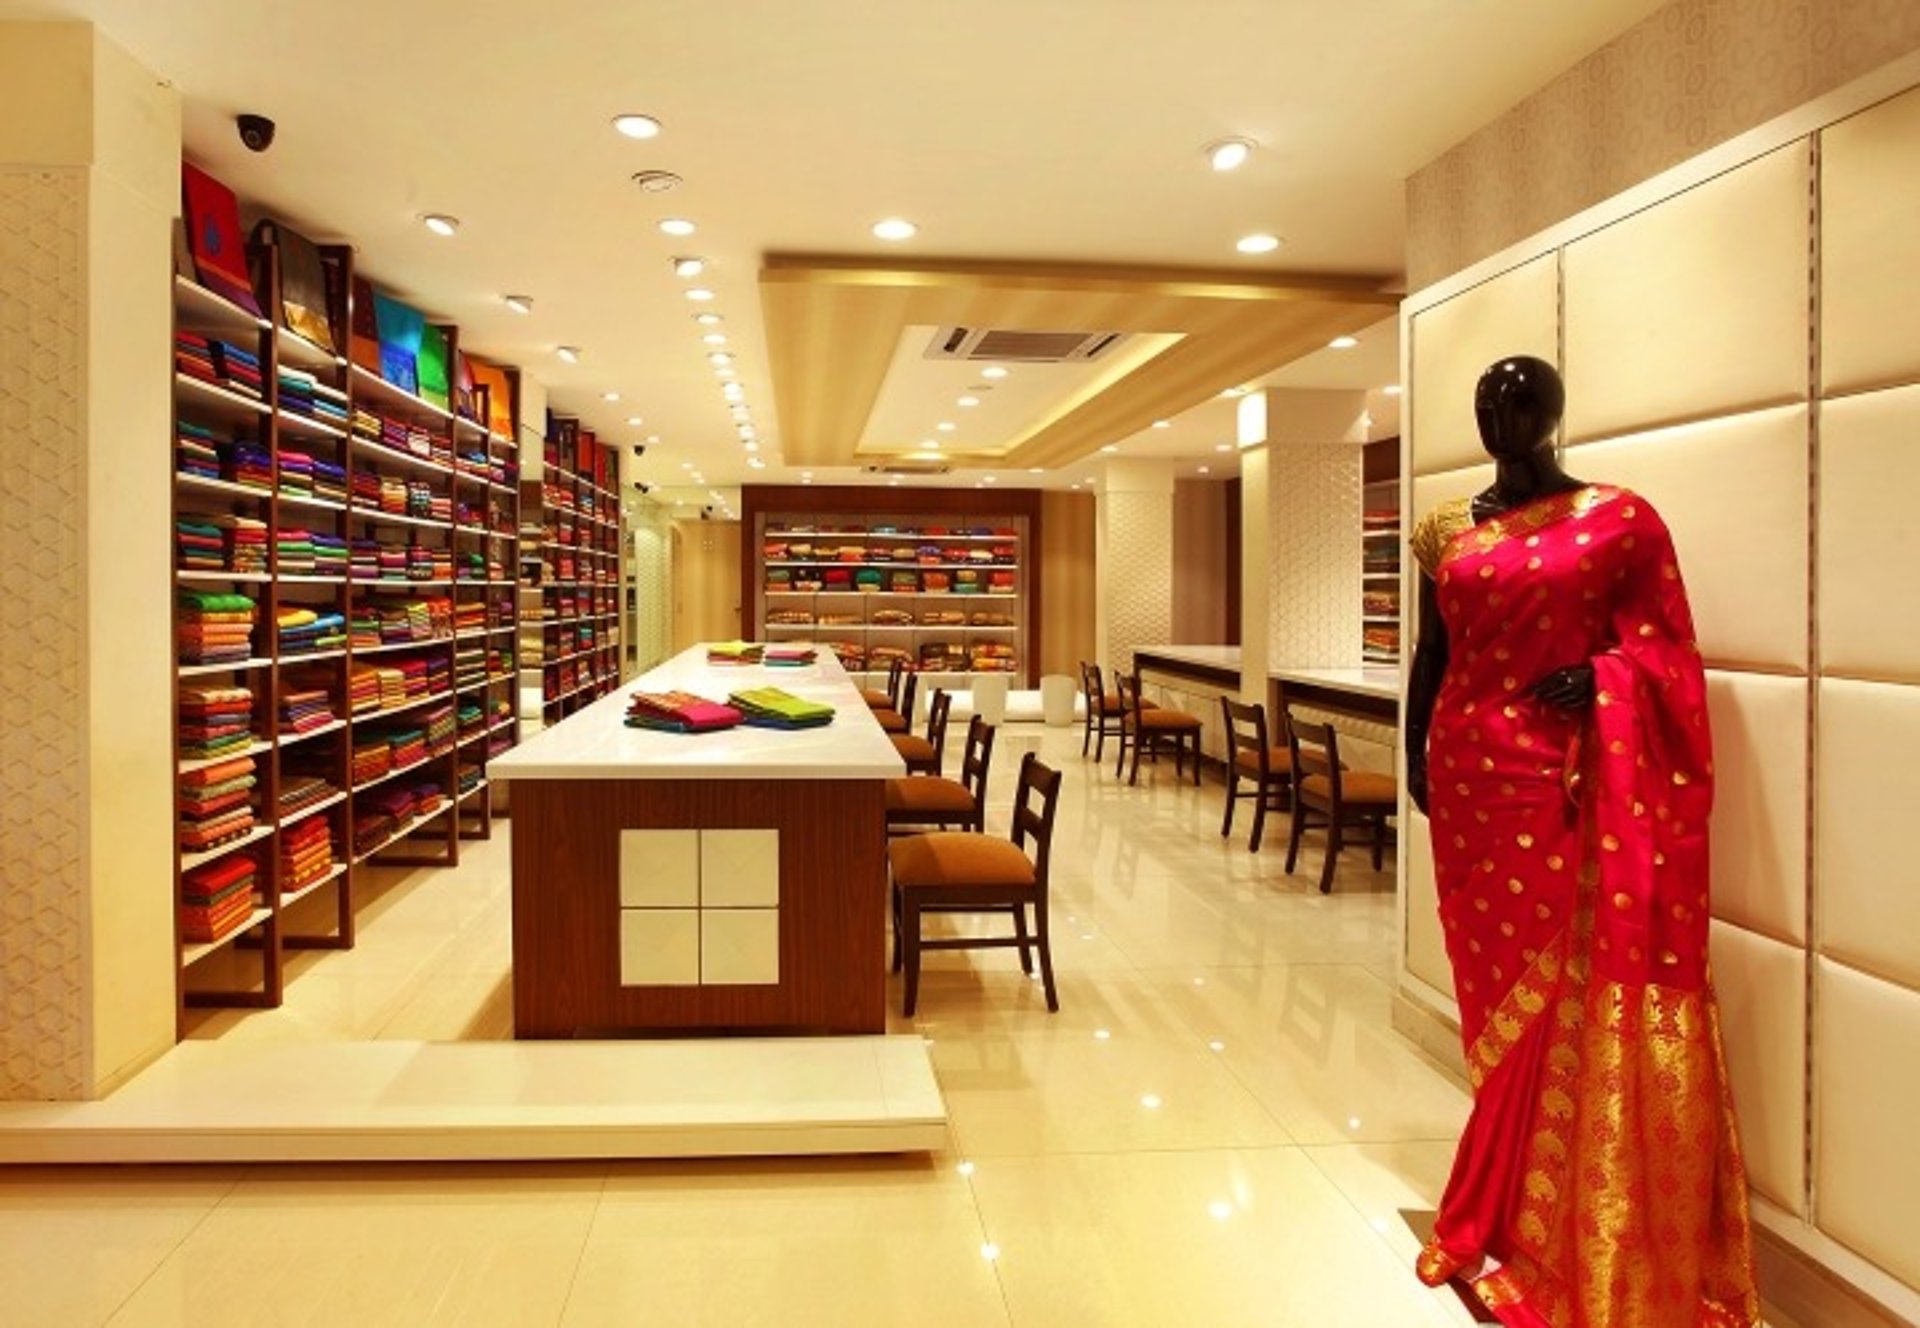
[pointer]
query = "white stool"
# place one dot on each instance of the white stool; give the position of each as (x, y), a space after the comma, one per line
(1057, 692)
(990, 697)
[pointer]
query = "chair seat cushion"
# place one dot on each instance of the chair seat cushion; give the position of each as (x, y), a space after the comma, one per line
(912, 747)
(1279, 763)
(877, 699)
(1168, 720)
(955, 858)
(927, 794)
(1357, 788)
(891, 721)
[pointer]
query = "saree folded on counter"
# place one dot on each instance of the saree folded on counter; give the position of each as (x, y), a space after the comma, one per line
(774, 708)
(679, 712)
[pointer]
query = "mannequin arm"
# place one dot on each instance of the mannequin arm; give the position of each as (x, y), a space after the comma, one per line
(1423, 686)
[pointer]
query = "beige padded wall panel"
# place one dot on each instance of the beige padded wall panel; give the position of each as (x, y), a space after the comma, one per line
(1516, 313)
(1694, 308)
(1426, 946)
(1870, 247)
(1762, 986)
(1870, 534)
(1868, 788)
(1865, 1082)
(1734, 493)
(1760, 802)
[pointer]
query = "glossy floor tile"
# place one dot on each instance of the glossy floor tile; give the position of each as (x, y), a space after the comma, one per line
(1177, 1145)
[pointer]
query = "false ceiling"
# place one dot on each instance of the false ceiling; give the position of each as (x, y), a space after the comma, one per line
(1017, 135)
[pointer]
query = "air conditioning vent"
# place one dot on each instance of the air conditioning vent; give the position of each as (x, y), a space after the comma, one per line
(1020, 347)
(907, 466)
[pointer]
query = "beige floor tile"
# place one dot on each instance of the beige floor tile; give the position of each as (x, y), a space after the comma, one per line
(1223, 1238)
(1382, 1179)
(455, 1008)
(76, 1242)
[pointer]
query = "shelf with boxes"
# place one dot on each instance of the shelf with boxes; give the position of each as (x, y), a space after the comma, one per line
(1380, 543)
(340, 539)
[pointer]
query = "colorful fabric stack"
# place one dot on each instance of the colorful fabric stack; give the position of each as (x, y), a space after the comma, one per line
(303, 631)
(216, 804)
(306, 854)
(366, 488)
(251, 466)
(468, 778)
(305, 707)
(293, 548)
(679, 712)
(439, 676)
(330, 405)
(363, 629)
(470, 616)
(214, 628)
(992, 657)
(363, 562)
(393, 495)
(363, 689)
(196, 451)
(329, 480)
(246, 541)
(393, 687)
(329, 554)
(471, 718)
(201, 549)
(789, 656)
(215, 722)
(373, 823)
(365, 423)
(772, 708)
(239, 370)
(372, 757)
(296, 391)
(735, 652)
(469, 667)
(470, 566)
(193, 356)
(440, 730)
(393, 562)
(298, 792)
(216, 900)
(405, 746)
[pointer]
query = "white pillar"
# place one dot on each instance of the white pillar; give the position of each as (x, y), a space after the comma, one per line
(1255, 596)
(1312, 549)
(89, 188)
(1134, 558)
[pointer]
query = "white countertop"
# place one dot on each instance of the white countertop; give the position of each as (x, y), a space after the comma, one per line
(1377, 682)
(597, 744)
(1208, 657)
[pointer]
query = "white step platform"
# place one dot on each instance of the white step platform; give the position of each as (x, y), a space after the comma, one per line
(498, 1101)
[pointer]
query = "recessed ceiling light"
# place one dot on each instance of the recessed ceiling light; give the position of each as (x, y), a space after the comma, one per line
(635, 421)
(732, 391)
(933, 443)
(1257, 244)
(724, 372)
(751, 446)
(1234, 392)
(689, 266)
(440, 223)
(653, 437)
(637, 126)
(719, 357)
(1391, 389)
(706, 319)
(1036, 470)
(520, 304)
(946, 426)
(1229, 153)
(700, 294)
(677, 226)
(656, 182)
(571, 354)
(1111, 447)
(894, 483)
(715, 339)
(686, 465)
(1206, 470)
(806, 479)
(1163, 424)
(806, 474)
(969, 401)
(895, 228)
(1343, 343)
(993, 479)
(609, 396)
(1223, 447)
(993, 371)
(756, 463)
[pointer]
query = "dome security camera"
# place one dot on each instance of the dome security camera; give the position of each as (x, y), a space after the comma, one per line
(256, 131)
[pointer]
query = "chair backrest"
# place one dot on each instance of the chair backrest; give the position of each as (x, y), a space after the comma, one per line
(1128, 685)
(937, 719)
(896, 670)
(1316, 750)
(1090, 684)
(903, 698)
(1040, 782)
(1246, 730)
(973, 766)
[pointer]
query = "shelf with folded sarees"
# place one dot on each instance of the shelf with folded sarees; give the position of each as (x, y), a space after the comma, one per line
(570, 635)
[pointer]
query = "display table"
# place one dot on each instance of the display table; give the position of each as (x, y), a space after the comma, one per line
(730, 881)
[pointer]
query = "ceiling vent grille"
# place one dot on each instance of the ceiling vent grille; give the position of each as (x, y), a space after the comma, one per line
(908, 466)
(1021, 347)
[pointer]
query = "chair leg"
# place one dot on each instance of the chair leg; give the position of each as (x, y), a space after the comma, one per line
(1293, 836)
(1379, 841)
(1046, 952)
(1086, 734)
(910, 912)
(1233, 796)
(1139, 740)
(899, 929)
(1020, 931)
(1333, 855)
(1196, 760)
(1259, 820)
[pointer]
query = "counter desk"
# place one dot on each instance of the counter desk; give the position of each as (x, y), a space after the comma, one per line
(729, 881)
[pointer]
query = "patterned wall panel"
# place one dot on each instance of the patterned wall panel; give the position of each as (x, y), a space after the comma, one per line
(43, 803)
(1313, 570)
(1693, 75)
(1136, 574)
(652, 543)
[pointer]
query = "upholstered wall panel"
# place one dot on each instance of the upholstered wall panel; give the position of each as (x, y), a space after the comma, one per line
(1865, 1084)
(1870, 247)
(1429, 491)
(1870, 533)
(1734, 493)
(1694, 308)
(1516, 313)
(1426, 944)
(1762, 986)
(1760, 802)
(1868, 789)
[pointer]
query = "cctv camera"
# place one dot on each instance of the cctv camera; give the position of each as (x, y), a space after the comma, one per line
(639, 449)
(256, 131)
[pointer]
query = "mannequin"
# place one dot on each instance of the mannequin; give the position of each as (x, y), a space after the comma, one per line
(1557, 739)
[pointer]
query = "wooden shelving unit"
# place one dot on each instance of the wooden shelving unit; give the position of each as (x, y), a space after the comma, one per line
(346, 474)
(570, 573)
(1380, 550)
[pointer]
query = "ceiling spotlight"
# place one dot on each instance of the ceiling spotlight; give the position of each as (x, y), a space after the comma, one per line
(715, 339)
(930, 443)
(1257, 244)
(724, 372)
(520, 304)
(677, 226)
(1391, 389)
(686, 465)
(993, 371)
(946, 426)
(635, 421)
(1111, 447)
(707, 319)
(689, 266)
(653, 437)
(732, 391)
(1163, 424)
(1229, 154)
(756, 463)
(1036, 470)
(440, 223)
(571, 354)
(895, 228)
(751, 446)
(993, 479)
(609, 396)
(719, 357)
(969, 401)
(1343, 343)
(700, 294)
(1206, 470)
(637, 126)
(1223, 447)
(656, 182)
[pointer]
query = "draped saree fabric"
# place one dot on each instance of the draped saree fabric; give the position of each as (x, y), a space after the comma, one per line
(1600, 1174)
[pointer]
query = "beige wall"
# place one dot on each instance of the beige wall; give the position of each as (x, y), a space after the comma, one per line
(1695, 74)
(1067, 582)
(1780, 451)
(1200, 561)
(704, 564)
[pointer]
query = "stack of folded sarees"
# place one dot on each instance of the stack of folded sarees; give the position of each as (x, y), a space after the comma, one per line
(216, 804)
(216, 900)
(679, 712)
(215, 722)
(215, 628)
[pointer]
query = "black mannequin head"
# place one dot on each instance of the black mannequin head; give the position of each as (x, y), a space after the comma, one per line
(1518, 403)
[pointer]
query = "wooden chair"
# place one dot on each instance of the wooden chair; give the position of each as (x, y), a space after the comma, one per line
(1340, 797)
(890, 698)
(949, 872)
(900, 720)
(1254, 758)
(1151, 729)
(1103, 711)
(922, 802)
(924, 756)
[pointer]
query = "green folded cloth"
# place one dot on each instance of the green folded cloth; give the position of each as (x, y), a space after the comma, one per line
(207, 601)
(780, 707)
